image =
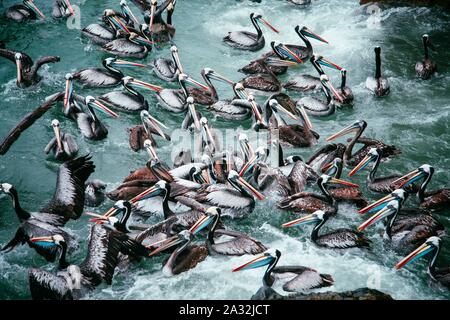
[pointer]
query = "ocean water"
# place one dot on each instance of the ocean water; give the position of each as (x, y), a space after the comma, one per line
(414, 117)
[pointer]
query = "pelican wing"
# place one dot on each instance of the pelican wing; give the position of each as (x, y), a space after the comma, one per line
(27, 122)
(68, 199)
(47, 286)
(27, 62)
(343, 238)
(240, 244)
(304, 279)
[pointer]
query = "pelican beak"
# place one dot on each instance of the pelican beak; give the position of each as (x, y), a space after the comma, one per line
(99, 219)
(351, 128)
(280, 63)
(221, 78)
(294, 57)
(336, 94)
(104, 109)
(201, 223)
(246, 148)
(249, 165)
(208, 134)
(68, 92)
(36, 10)
(119, 24)
(326, 167)
(125, 64)
(258, 262)
(155, 124)
(305, 117)
(256, 111)
(145, 85)
(383, 213)
(308, 33)
(327, 63)
(128, 11)
(378, 205)
(152, 15)
(410, 178)
(149, 193)
(364, 162)
(161, 172)
(205, 176)
(19, 70)
(268, 25)
(253, 190)
(57, 131)
(194, 116)
(343, 182)
(169, 243)
(151, 151)
(69, 7)
(286, 111)
(143, 41)
(421, 251)
(42, 239)
(195, 83)
(310, 218)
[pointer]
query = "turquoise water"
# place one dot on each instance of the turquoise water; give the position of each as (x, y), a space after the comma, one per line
(414, 117)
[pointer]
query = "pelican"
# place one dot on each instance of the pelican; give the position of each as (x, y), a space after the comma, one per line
(381, 185)
(337, 239)
(353, 158)
(344, 90)
(62, 9)
(325, 155)
(431, 246)
(130, 100)
(139, 134)
(294, 278)
(110, 76)
(161, 31)
(318, 107)
(295, 52)
(259, 65)
(89, 124)
(23, 12)
(209, 97)
(263, 83)
(74, 281)
(67, 203)
(408, 235)
(436, 199)
(63, 145)
(102, 34)
(168, 70)
(27, 70)
(378, 85)
(245, 40)
(174, 100)
(192, 119)
(427, 67)
(184, 257)
(239, 244)
(133, 46)
(237, 108)
(308, 202)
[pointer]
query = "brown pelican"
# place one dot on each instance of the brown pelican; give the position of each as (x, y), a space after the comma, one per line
(67, 203)
(62, 9)
(378, 85)
(27, 70)
(306, 82)
(168, 70)
(381, 185)
(74, 281)
(295, 52)
(427, 67)
(404, 236)
(89, 124)
(245, 40)
(263, 83)
(325, 155)
(94, 193)
(431, 245)
(23, 12)
(337, 239)
(209, 97)
(184, 257)
(130, 100)
(161, 31)
(237, 108)
(344, 90)
(259, 65)
(63, 145)
(110, 76)
(240, 243)
(436, 199)
(139, 134)
(174, 100)
(294, 278)
(132, 46)
(308, 202)
(318, 107)
(350, 158)
(102, 34)
(346, 194)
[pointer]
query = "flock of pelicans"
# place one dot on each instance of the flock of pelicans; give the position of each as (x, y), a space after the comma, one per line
(198, 194)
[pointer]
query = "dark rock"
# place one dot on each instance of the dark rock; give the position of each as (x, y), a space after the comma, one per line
(266, 293)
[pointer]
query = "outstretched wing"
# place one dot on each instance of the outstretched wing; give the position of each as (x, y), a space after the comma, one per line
(68, 199)
(47, 286)
(27, 62)
(27, 122)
